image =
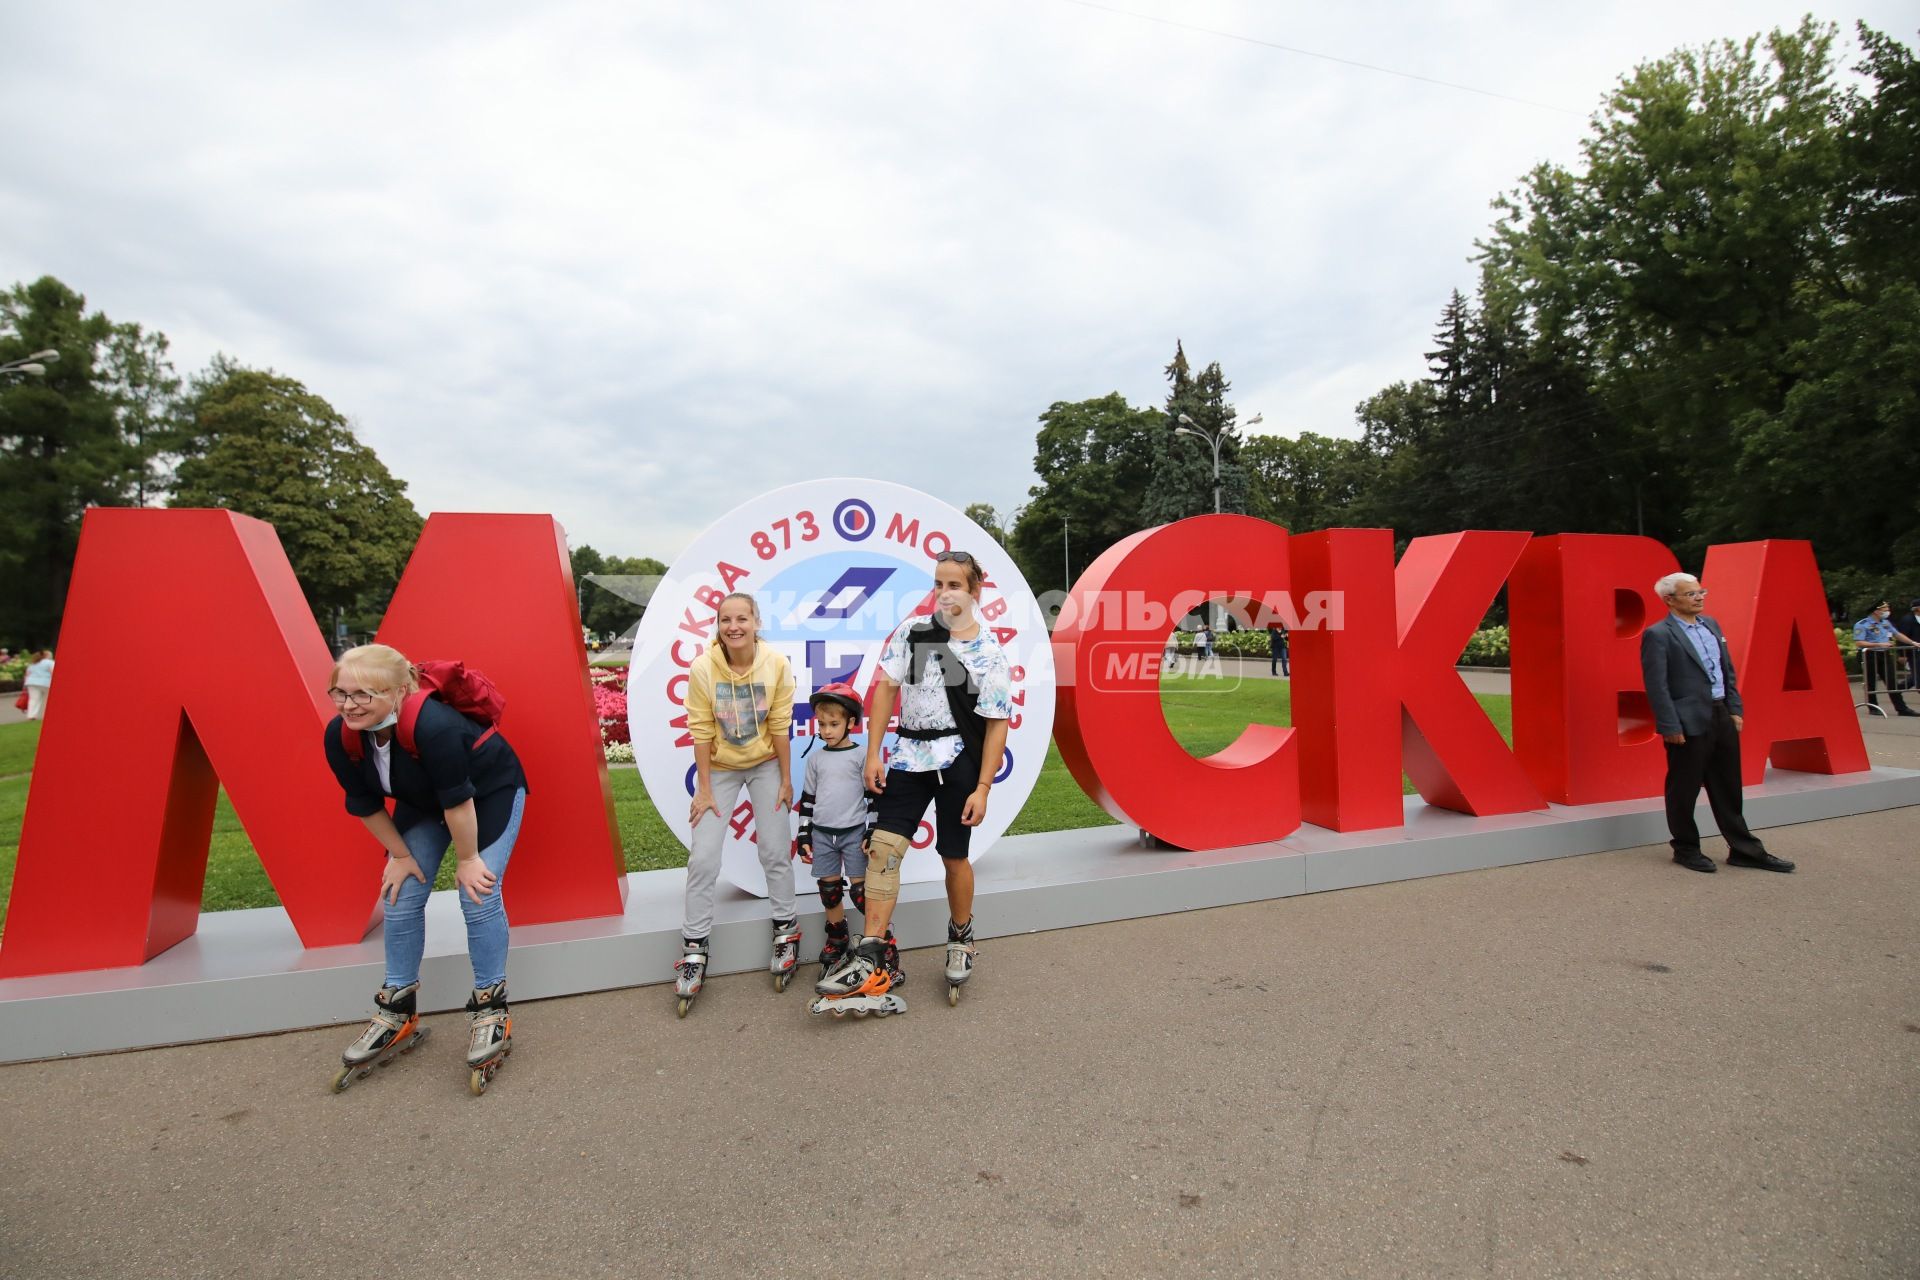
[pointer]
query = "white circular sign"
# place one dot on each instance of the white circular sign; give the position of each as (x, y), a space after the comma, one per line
(835, 565)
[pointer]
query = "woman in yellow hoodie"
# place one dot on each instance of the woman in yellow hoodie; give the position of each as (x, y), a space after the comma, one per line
(740, 714)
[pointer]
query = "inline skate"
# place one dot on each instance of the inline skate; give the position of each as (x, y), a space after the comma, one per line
(491, 1037)
(395, 1029)
(690, 973)
(862, 985)
(960, 957)
(786, 952)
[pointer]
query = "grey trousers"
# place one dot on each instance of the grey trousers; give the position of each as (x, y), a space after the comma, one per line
(773, 827)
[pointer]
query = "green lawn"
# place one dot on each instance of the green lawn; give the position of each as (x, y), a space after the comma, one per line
(1205, 713)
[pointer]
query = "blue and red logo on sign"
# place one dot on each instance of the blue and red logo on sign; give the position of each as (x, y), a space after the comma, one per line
(853, 520)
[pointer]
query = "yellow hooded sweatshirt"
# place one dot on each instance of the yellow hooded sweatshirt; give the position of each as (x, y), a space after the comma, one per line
(738, 715)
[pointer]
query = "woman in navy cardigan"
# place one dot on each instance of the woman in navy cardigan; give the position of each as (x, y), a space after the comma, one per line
(459, 784)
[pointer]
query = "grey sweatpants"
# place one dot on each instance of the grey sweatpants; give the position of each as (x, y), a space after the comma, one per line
(773, 827)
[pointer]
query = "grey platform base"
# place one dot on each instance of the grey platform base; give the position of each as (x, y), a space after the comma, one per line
(245, 973)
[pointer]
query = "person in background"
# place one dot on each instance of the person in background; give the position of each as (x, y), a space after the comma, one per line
(39, 682)
(1277, 651)
(1908, 625)
(1876, 639)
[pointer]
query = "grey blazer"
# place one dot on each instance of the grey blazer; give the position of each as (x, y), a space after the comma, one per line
(1678, 686)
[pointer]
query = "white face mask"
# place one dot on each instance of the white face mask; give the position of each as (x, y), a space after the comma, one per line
(393, 718)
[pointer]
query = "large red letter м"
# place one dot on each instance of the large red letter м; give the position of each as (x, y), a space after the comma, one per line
(186, 644)
(188, 652)
(1110, 728)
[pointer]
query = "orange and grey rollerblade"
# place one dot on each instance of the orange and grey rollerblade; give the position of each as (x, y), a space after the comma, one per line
(863, 984)
(491, 1038)
(395, 1029)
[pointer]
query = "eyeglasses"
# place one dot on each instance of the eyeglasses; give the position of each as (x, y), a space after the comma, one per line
(957, 557)
(359, 697)
(1692, 595)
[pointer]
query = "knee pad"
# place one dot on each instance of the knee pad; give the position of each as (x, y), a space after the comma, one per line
(858, 892)
(831, 891)
(886, 851)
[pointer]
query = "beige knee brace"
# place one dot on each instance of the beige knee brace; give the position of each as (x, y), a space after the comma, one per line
(885, 851)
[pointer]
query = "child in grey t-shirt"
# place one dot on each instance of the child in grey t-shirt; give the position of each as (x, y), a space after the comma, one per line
(835, 817)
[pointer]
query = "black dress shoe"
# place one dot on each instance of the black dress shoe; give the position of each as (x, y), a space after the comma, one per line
(1694, 860)
(1907, 711)
(1759, 861)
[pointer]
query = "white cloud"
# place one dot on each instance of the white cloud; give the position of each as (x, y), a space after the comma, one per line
(631, 263)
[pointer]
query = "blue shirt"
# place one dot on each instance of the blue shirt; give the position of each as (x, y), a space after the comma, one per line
(1708, 648)
(1873, 630)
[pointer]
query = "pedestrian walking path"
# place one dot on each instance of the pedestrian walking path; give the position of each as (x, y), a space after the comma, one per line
(1594, 1066)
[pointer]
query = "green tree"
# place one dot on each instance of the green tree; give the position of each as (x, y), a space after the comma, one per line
(1310, 482)
(1094, 459)
(262, 444)
(77, 437)
(1197, 415)
(1690, 255)
(614, 590)
(983, 514)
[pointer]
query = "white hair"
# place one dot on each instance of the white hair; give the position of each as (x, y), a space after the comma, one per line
(1666, 587)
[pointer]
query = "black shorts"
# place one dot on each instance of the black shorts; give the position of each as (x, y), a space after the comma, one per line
(901, 806)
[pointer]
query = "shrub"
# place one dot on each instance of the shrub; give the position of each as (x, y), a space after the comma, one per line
(1487, 648)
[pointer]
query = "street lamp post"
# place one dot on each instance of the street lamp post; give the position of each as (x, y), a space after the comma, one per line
(33, 366)
(1066, 554)
(1188, 427)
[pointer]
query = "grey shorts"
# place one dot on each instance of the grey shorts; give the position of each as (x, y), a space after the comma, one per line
(836, 855)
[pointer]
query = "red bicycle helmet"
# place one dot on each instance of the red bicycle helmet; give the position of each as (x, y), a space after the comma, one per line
(841, 694)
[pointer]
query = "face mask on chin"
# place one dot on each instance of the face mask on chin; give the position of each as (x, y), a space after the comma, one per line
(393, 718)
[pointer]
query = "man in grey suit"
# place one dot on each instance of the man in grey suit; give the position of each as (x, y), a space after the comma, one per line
(1696, 709)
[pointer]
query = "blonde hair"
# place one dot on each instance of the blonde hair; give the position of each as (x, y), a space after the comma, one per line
(376, 666)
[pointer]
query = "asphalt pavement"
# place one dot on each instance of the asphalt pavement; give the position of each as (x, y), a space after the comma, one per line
(1595, 1066)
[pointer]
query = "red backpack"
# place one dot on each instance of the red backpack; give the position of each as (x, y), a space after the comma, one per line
(461, 687)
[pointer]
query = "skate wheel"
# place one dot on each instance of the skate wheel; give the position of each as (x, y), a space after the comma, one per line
(477, 1081)
(686, 1003)
(342, 1079)
(953, 997)
(779, 982)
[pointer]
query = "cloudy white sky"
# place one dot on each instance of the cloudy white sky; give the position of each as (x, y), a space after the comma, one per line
(632, 263)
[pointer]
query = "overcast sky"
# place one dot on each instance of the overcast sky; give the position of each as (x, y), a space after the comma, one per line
(633, 263)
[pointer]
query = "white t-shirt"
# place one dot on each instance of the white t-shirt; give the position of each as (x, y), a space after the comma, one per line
(923, 705)
(383, 764)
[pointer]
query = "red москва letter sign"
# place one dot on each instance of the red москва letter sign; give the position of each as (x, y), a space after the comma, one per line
(1109, 725)
(1379, 694)
(1798, 705)
(1576, 605)
(190, 659)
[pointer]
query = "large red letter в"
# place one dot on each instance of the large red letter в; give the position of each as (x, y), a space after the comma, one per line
(189, 660)
(1576, 605)
(1110, 727)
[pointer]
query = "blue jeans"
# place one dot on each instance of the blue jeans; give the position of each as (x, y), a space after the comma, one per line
(406, 929)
